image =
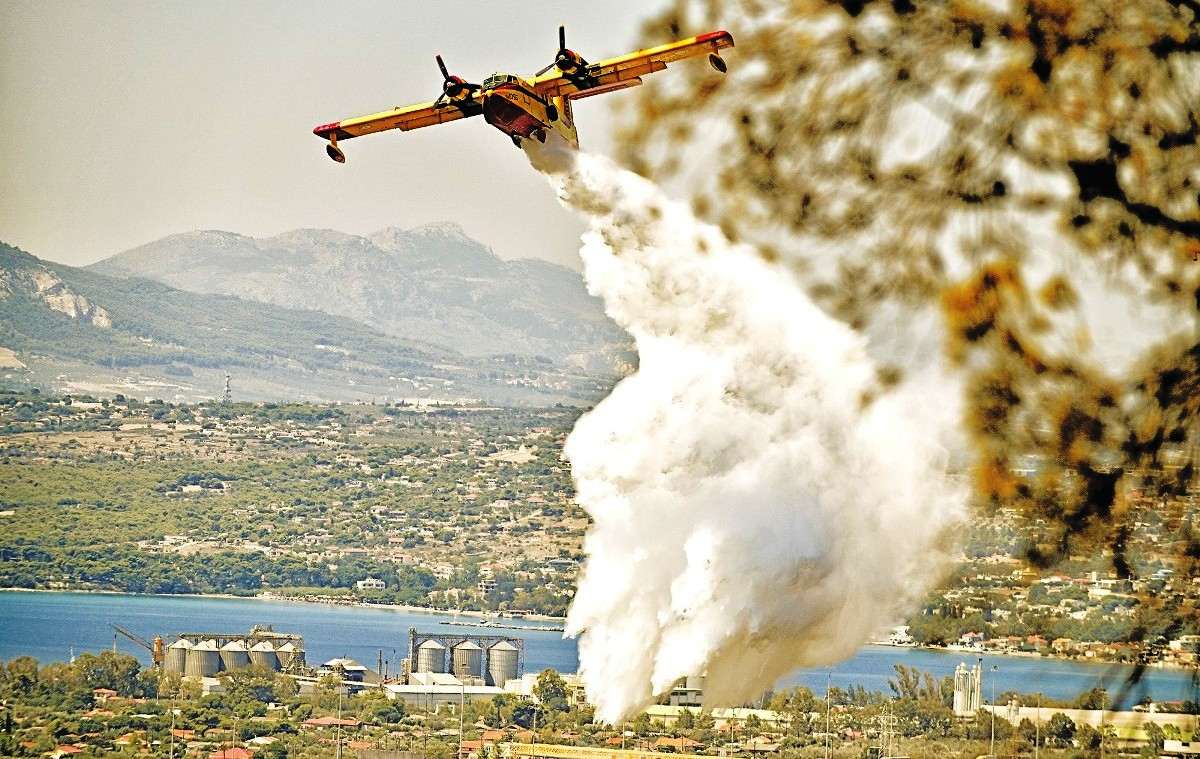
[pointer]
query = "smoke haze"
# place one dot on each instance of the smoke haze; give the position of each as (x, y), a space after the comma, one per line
(760, 501)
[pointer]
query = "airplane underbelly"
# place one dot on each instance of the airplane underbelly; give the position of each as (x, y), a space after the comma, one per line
(513, 112)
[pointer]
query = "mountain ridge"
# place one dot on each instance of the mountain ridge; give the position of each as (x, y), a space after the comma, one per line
(81, 330)
(432, 282)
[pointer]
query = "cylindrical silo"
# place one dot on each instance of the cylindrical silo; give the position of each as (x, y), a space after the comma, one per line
(262, 654)
(431, 657)
(176, 659)
(467, 658)
(203, 659)
(286, 654)
(234, 655)
(501, 663)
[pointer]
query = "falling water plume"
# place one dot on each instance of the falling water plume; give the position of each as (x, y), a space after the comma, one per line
(760, 502)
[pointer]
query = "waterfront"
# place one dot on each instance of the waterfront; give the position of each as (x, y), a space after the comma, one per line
(48, 626)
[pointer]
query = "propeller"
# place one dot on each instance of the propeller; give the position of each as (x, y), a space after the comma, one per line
(452, 86)
(566, 60)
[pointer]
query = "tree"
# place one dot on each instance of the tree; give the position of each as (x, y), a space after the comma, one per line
(551, 690)
(377, 708)
(257, 684)
(1094, 698)
(1060, 730)
(641, 725)
(1154, 736)
(111, 670)
(526, 714)
(812, 165)
(1088, 738)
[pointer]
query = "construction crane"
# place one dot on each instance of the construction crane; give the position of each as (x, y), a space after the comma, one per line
(155, 648)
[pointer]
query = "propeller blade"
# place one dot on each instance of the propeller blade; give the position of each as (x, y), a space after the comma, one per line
(546, 68)
(440, 99)
(562, 37)
(442, 66)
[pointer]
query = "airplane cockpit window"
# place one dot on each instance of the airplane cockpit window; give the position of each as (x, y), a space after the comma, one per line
(495, 80)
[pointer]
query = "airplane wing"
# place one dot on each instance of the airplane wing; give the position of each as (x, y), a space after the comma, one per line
(403, 118)
(627, 70)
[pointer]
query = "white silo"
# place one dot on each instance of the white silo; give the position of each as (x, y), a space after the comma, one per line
(203, 659)
(286, 654)
(431, 657)
(466, 659)
(501, 663)
(234, 655)
(262, 654)
(176, 659)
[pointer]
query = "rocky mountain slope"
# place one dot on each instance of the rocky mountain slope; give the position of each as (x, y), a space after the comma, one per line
(432, 283)
(84, 331)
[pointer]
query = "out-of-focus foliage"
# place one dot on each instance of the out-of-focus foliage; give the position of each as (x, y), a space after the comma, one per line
(1026, 176)
(1010, 169)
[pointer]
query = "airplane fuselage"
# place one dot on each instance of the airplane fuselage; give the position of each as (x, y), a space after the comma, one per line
(511, 105)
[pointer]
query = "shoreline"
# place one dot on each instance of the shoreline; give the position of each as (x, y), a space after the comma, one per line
(356, 604)
(268, 596)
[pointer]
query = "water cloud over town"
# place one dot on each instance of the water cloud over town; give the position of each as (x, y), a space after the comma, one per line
(758, 503)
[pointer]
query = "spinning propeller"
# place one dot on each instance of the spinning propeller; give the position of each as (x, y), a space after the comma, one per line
(568, 61)
(453, 87)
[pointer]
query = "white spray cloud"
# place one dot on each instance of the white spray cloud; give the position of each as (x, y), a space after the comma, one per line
(753, 511)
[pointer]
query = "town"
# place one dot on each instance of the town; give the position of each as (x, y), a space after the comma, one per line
(468, 509)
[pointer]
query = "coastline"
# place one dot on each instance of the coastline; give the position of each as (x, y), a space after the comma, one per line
(329, 601)
(315, 600)
(971, 654)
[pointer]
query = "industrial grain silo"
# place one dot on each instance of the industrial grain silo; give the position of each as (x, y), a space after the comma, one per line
(431, 657)
(176, 659)
(234, 655)
(501, 663)
(466, 659)
(286, 654)
(262, 654)
(203, 659)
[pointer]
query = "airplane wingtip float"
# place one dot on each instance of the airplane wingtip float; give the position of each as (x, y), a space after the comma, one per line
(529, 107)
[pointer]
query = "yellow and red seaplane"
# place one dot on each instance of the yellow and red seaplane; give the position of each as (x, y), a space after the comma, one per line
(534, 107)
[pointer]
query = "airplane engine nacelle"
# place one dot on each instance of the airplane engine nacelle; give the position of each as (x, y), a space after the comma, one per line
(569, 62)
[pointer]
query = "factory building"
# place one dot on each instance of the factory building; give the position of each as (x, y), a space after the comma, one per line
(348, 670)
(687, 691)
(431, 690)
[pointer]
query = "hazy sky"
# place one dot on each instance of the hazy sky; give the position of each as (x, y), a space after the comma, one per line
(123, 122)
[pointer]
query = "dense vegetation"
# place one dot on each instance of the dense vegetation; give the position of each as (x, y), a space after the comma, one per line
(294, 498)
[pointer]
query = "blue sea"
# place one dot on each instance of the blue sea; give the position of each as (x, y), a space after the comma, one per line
(49, 626)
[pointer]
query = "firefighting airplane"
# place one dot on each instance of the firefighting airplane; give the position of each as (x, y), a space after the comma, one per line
(526, 108)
